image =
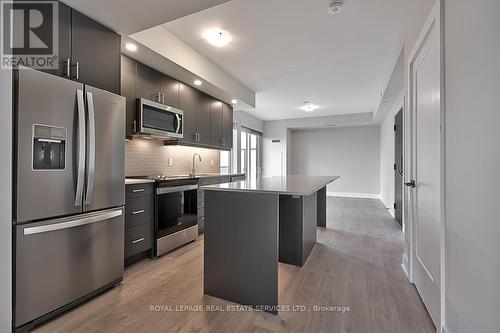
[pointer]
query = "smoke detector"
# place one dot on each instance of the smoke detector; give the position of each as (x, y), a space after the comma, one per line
(335, 6)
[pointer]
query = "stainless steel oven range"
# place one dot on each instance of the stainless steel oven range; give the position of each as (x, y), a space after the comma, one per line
(176, 219)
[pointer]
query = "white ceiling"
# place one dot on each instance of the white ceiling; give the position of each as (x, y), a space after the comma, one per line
(290, 51)
(130, 16)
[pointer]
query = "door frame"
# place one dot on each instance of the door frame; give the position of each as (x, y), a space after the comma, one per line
(396, 111)
(434, 20)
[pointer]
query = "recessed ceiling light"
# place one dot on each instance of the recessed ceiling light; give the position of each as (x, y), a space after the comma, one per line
(131, 47)
(309, 107)
(197, 82)
(217, 37)
(234, 101)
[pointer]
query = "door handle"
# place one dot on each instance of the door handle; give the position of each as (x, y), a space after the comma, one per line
(91, 161)
(411, 184)
(81, 148)
(74, 223)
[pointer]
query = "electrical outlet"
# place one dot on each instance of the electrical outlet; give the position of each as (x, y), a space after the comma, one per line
(211, 162)
(170, 162)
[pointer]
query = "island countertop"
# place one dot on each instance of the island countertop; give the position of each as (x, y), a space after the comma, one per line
(290, 185)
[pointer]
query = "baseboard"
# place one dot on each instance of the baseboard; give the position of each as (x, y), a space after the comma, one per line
(354, 195)
(404, 266)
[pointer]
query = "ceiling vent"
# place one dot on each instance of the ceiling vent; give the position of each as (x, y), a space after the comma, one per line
(335, 6)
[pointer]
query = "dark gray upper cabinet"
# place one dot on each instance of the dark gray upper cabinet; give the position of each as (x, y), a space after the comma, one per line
(95, 53)
(216, 122)
(170, 91)
(188, 103)
(64, 46)
(88, 52)
(156, 86)
(227, 126)
(208, 122)
(203, 118)
(148, 83)
(127, 89)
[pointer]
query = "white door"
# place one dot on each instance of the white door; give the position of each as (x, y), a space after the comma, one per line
(425, 96)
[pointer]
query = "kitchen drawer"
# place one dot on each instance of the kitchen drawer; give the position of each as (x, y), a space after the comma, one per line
(138, 190)
(138, 239)
(138, 211)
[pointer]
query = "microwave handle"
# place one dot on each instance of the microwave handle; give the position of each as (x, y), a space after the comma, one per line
(178, 123)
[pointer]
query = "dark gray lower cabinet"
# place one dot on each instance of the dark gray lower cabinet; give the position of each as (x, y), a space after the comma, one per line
(139, 215)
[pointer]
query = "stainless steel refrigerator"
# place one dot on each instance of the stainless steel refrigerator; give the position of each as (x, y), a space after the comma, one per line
(69, 184)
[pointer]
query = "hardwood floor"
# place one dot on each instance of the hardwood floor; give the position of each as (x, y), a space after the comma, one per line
(356, 264)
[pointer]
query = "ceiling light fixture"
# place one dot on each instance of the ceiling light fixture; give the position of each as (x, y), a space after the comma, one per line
(197, 82)
(131, 47)
(335, 6)
(218, 37)
(234, 101)
(309, 107)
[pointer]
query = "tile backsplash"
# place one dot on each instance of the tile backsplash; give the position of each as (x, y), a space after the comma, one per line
(151, 157)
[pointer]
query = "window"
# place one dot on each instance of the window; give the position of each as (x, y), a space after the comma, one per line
(243, 151)
(250, 153)
(229, 159)
(224, 161)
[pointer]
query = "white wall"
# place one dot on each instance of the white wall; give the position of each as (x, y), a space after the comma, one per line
(472, 96)
(6, 200)
(350, 152)
(275, 153)
(247, 120)
(387, 152)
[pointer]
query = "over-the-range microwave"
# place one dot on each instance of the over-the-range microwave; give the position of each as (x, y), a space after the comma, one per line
(159, 120)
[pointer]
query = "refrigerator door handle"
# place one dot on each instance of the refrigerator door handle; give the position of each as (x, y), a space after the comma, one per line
(81, 148)
(91, 155)
(74, 223)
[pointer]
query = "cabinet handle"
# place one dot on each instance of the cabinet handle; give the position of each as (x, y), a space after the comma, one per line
(68, 68)
(134, 125)
(138, 190)
(77, 70)
(138, 240)
(163, 98)
(138, 212)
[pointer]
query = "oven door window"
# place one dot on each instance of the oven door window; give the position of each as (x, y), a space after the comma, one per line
(176, 211)
(158, 119)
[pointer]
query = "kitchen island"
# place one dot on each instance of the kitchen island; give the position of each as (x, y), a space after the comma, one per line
(252, 225)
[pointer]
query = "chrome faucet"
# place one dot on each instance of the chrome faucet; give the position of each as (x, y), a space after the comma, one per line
(193, 171)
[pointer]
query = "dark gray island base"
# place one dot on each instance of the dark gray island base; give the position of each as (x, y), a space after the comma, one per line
(250, 226)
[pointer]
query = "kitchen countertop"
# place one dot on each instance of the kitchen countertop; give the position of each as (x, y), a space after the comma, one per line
(291, 185)
(138, 180)
(130, 181)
